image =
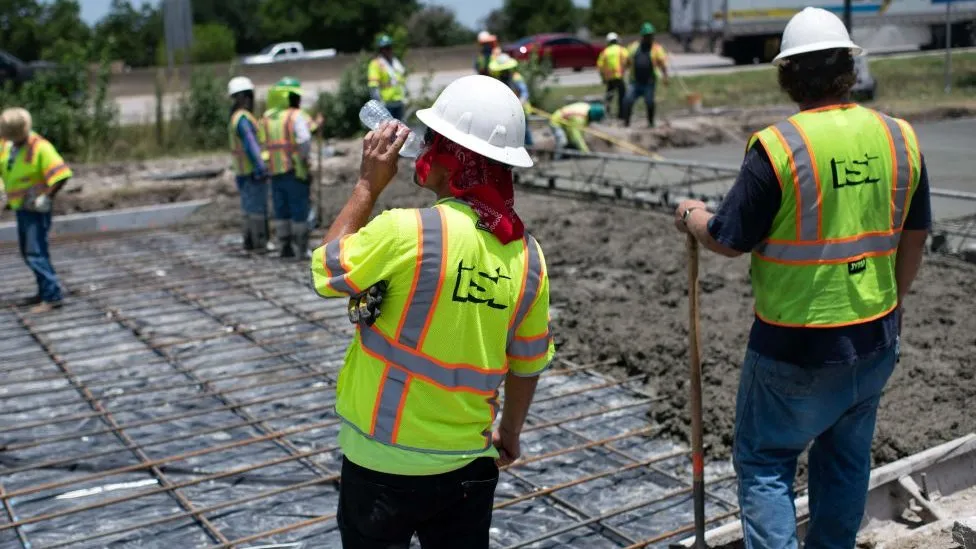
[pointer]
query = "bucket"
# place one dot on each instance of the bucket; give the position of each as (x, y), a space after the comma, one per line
(694, 100)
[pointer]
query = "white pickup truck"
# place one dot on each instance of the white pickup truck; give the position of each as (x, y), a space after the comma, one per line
(286, 51)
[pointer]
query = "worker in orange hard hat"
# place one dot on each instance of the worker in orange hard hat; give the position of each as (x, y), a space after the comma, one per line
(489, 49)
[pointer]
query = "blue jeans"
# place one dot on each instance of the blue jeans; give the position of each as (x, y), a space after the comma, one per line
(290, 196)
(32, 229)
(646, 91)
(780, 409)
(254, 194)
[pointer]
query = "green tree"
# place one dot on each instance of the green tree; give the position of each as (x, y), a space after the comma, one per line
(19, 28)
(347, 25)
(437, 26)
(526, 17)
(129, 34)
(62, 32)
(212, 43)
(243, 17)
(626, 16)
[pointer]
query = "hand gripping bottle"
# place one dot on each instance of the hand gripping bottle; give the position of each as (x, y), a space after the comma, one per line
(374, 113)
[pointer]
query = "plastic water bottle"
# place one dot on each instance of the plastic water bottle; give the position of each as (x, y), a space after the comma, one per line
(374, 113)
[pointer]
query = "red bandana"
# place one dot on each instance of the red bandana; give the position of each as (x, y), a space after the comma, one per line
(482, 183)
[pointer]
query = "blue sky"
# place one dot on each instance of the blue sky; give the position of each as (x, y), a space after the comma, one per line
(469, 11)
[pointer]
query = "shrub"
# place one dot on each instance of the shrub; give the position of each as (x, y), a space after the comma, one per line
(204, 112)
(78, 118)
(341, 109)
(213, 43)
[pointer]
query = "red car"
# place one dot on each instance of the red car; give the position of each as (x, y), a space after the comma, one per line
(565, 50)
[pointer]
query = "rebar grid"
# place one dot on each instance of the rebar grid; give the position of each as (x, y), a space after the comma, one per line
(267, 389)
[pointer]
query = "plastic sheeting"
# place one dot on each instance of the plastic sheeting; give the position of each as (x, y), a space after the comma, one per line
(179, 352)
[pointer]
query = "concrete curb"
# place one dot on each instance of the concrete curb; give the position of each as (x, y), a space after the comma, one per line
(127, 219)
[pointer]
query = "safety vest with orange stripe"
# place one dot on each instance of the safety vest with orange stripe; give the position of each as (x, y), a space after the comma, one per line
(283, 154)
(461, 312)
(35, 169)
(243, 164)
(847, 175)
(612, 62)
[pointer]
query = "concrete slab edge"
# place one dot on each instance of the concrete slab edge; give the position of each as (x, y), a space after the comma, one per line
(127, 219)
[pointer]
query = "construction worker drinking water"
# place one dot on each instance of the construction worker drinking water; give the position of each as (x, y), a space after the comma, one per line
(246, 142)
(567, 124)
(289, 143)
(33, 173)
(833, 205)
(504, 68)
(387, 78)
(464, 297)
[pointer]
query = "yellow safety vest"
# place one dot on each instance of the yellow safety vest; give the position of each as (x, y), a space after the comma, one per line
(574, 114)
(388, 78)
(612, 62)
(283, 154)
(461, 310)
(847, 175)
(243, 164)
(37, 166)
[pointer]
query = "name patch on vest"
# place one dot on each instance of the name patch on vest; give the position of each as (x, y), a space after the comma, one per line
(858, 266)
(472, 285)
(850, 173)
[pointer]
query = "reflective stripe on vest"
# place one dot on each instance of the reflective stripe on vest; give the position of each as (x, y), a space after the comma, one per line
(403, 356)
(281, 145)
(809, 245)
(242, 163)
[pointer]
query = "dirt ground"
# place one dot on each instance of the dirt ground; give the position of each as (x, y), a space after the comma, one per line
(619, 290)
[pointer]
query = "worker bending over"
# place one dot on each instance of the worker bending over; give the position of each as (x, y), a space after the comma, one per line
(487, 51)
(246, 142)
(833, 204)
(612, 64)
(289, 143)
(504, 68)
(464, 297)
(648, 62)
(33, 173)
(387, 78)
(568, 122)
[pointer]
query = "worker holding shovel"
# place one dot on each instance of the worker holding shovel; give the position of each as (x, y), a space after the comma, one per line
(833, 205)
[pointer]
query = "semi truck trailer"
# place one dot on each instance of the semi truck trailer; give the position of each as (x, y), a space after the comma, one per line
(749, 30)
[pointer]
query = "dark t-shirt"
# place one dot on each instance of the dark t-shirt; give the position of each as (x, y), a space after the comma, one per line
(743, 221)
(643, 65)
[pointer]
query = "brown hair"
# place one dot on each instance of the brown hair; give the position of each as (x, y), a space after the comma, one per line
(819, 75)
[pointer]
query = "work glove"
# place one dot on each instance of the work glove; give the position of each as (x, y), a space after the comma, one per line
(42, 204)
(364, 308)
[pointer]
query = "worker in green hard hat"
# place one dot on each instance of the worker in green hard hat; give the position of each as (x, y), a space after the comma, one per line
(387, 78)
(504, 68)
(568, 122)
(648, 62)
(288, 133)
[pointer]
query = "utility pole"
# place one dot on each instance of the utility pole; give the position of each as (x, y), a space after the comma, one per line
(948, 47)
(847, 15)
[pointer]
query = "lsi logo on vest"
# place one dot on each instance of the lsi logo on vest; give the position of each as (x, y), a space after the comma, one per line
(468, 290)
(857, 266)
(855, 172)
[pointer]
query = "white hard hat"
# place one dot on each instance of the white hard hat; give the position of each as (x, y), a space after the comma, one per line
(814, 29)
(481, 114)
(485, 37)
(612, 37)
(239, 84)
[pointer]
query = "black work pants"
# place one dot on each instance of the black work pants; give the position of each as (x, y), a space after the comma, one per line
(446, 511)
(617, 86)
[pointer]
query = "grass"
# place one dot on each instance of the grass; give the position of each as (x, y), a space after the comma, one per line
(906, 83)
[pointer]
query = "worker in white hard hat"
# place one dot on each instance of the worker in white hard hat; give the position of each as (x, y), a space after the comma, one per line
(33, 173)
(612, 64)
(464, 297)
(246, 143)
(487, 51)
(833, 206)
